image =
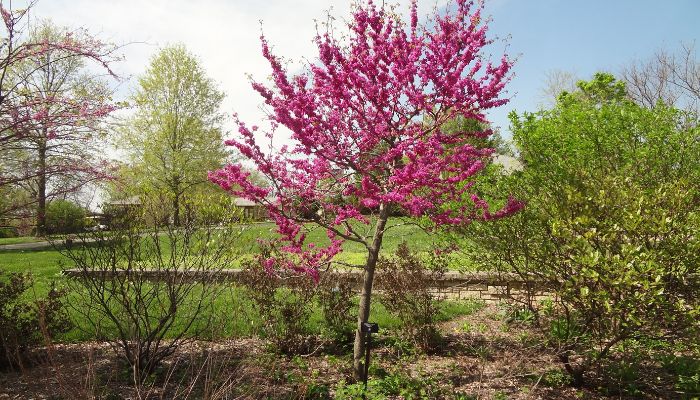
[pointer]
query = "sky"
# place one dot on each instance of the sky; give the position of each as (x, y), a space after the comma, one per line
(577, 36)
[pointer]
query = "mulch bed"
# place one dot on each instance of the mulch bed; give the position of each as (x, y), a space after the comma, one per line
(481, 357)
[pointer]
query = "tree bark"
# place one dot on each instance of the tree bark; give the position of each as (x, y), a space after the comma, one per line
(41, 190)
(365, 296)
(176, 210)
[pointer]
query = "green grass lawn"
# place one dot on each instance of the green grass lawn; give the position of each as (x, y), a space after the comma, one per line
(46, 266)
(354, 253)
(19, 240)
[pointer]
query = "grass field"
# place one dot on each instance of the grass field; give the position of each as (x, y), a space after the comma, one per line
(47, 264)
(21, 239)
(46, 267)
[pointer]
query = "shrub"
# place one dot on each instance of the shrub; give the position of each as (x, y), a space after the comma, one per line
(335, 295)
(284, 302)
(610, 225)
(24, 322)
(8, 232)
(406, 281)
(63, 216)
(147, 290)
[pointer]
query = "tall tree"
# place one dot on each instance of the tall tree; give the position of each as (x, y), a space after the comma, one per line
(51, 153)
(356, 117)
(175, 136)
(672, 78)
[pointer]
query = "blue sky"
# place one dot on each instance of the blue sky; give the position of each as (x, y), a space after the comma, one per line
(581, 36)
(584, 37)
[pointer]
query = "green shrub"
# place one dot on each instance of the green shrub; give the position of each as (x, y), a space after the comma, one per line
(25, 322)
(686, 370)
(8, 232)
(406, 281)
(285, 304)
(612, 192)
(63, 216)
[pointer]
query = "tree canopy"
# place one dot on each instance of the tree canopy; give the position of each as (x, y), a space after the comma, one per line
(175, 136)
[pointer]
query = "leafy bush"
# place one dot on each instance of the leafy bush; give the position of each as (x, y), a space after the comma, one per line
(406, 281)
(147, 289)
(63, 216)
(336, 293)
(613, 195)
(285, 303)
(25, 322)
(687, 372)
(8, 232)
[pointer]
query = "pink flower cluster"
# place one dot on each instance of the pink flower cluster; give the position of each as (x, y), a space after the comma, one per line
(366, 120)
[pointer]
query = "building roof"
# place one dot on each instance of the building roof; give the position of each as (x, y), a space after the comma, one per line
(242, 202)
(509, 163)
(129, 201)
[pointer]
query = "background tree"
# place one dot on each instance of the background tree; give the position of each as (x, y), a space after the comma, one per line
(670, 77)
(63, 216)
(56, 154)
(17, 104)
(175, 136)
(356, 121)
(31, 107)
(612, 206)
(555, 82)
(493, 140)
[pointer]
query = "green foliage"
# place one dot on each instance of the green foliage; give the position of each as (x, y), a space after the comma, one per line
(25, 322)
(175, 138)
(392, 385)
(470, 126)
(556, 378)
(63, 216)
(406, 281)
(687, 372)
(611, 222)
(8, 232)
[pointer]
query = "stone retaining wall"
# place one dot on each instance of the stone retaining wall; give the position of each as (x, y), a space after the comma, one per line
(486, 286)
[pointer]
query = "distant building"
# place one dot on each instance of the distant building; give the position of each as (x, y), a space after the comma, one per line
(510, 164)
(133, 201)
(251, 211)
(118, 212)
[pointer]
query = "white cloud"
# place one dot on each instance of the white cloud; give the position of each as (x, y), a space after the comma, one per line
(223, 34)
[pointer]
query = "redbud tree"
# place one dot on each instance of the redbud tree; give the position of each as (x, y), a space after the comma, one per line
(51, 110)
(366, 123)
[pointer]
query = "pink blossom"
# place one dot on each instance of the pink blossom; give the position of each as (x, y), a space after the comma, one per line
(359, 140)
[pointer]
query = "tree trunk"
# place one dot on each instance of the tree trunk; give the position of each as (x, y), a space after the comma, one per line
(176, 210)
(575, 372)
(365, 297)
(41, 191)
